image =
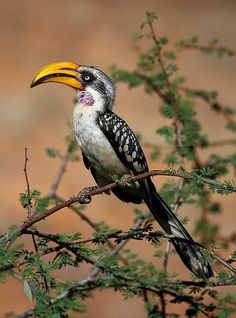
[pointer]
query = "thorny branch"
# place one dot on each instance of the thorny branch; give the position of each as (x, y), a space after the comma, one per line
(62, 169)
(171, 96)
(121, 238)
(29, 203)
(212, 101)
(205, 48)
(174, 173)
(53, 189)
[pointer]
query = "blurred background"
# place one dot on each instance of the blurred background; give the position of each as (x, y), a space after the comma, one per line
(34, 33)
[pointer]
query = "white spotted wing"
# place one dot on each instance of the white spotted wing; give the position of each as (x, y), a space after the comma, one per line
(123, 141)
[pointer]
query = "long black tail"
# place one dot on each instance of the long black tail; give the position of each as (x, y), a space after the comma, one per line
(187, 250)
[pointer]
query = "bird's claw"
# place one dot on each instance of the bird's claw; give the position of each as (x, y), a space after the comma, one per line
(124, 181)
(84, 196)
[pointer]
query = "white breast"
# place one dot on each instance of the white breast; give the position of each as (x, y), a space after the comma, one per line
(94, 144)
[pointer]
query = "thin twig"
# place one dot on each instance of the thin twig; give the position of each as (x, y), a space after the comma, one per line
(216, 106)
(163, 303)
(222, 261)
(29, 203)
(206, 48)
(77, 211)
(60, 173)
(40, 266)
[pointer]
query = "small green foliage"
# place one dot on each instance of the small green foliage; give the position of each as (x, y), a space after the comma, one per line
(167, 110)
(232, 256)
(171, 160)
(207, 230)
(102, 235)
(233, 159)
(8, 257)
(42, 205)
(185, 43)
(231, 126)
(152, 309)
(214, 208)
(207, 172)
(129, 78)
(34, 201)
(224, 188)
(171, 69)
(213, 293)
(25, 198)
(63, 259)
(53, 153)
(150, 17)
(167, 132)
(155, 153)
(168, 192)
(204, 94)
(211, 48)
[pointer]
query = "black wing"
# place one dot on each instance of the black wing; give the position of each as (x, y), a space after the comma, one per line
(123, 141)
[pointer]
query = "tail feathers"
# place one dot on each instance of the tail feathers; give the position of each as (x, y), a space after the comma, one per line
(186, 248)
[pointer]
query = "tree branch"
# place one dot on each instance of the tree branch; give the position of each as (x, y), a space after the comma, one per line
(174, 173)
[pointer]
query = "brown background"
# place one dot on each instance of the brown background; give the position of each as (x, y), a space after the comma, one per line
(34, 33)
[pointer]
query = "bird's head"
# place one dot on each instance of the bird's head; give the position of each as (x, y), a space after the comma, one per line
(93, 87)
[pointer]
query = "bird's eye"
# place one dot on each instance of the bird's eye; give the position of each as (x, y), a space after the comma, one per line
(86, 78)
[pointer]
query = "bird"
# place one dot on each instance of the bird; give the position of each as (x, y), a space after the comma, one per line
(111, 149)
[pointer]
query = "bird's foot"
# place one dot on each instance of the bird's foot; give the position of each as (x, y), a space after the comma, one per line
(124, 181)
(84, 196)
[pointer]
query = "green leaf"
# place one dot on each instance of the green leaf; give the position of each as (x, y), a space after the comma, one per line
(171, 159)
(167, 110)
(231, 126)
(53, 153)
(167, 132)
(194, 39)
(151, 16)
(120, 75)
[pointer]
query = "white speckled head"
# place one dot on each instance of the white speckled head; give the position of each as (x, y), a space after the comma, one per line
(98, 88)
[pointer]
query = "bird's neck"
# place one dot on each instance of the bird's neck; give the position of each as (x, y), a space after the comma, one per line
(91, 100)
(86, 99)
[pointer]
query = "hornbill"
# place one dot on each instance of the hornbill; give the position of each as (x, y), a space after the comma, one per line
(110, 148)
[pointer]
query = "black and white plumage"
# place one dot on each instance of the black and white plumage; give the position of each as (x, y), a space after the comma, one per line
(110, 149)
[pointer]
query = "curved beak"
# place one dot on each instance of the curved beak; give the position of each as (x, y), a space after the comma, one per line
(60, 72)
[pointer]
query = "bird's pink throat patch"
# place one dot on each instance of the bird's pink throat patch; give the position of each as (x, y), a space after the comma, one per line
(87, 100)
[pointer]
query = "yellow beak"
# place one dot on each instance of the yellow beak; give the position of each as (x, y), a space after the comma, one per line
(60, 72)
